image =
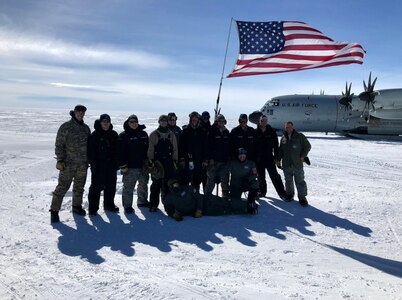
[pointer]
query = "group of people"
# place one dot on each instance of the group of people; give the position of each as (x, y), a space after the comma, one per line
(179, 161)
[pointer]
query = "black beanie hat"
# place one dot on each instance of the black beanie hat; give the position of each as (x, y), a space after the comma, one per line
(105, 117)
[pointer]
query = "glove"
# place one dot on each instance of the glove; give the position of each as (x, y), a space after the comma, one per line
(198, 213)
(124, 170)
(307, 160)
(204, 164)
(60, 166)
(278, 164)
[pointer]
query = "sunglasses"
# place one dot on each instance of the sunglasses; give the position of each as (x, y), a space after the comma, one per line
(132, 121)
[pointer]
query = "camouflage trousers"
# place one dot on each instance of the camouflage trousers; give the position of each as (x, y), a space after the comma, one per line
(221, 170)
(296, 174)
(129, 182)
(72, 172)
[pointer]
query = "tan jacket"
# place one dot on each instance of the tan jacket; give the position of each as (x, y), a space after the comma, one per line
(154, 139)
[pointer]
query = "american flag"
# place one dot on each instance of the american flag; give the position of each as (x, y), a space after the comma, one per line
(276, 47)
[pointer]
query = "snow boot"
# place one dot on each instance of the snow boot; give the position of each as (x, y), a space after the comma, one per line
(112, 208)
(54, 217)
(303, 202)
(177, 216)
(79, 210)
(128, 210)
(144, 204)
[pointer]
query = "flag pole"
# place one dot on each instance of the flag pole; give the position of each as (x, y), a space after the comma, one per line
(217, 109)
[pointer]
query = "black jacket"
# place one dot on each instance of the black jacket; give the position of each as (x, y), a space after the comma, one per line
(132, 146)
(193, 141)
(102, 146)
(219, 144)
(266, 145)
(240, 138)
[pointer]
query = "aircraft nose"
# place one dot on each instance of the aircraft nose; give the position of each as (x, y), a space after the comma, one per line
(254, 117)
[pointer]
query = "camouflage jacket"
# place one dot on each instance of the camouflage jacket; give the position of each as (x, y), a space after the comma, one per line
(72, 141)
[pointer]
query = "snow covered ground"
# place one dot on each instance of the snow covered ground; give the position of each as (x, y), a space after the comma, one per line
(346, 245)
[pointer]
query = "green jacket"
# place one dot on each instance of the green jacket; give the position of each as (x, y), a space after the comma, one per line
(72, 142)
(241, 177)
(292, 149)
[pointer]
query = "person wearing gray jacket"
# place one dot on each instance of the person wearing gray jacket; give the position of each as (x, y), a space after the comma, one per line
(293, 149)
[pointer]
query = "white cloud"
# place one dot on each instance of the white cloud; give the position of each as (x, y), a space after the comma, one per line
(28, 47)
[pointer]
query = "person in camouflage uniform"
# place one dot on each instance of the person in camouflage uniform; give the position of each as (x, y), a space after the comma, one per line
(72, 161)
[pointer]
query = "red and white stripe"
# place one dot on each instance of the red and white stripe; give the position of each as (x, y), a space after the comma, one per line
(305, 48)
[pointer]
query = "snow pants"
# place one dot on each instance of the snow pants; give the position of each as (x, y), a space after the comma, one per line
(104, 179)
(296, 175)
(273, 175)
(129, 181)
(72, 172)
(221, 170)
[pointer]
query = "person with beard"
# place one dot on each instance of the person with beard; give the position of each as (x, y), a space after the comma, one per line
(132, 148)
(243, 177)
(193, 150)
(102, 158)
(72, 162)
(266, 141)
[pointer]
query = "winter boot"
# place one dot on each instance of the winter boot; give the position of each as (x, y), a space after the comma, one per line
(128, 210)
(54, 217)
(177, 216)
(198, 213)
(79, 210)
(303, 202)
(112, 208)
(143, 204)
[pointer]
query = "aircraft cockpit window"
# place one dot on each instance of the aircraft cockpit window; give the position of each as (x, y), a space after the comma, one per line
(274, 102)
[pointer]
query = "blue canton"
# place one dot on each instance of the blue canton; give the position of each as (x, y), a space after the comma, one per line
(260, 37)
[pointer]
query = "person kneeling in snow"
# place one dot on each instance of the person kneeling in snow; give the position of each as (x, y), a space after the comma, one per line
(243, 178)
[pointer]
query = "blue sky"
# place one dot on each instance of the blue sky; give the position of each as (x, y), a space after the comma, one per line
(167, 55)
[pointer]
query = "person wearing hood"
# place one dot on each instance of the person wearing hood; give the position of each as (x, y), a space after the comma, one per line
(132, 150)
(162, 148)
(102, 157)
(72, 162)
(172, 119)
(193, 150)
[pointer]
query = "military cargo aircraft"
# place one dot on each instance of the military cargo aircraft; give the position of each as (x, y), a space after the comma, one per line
(372, 112)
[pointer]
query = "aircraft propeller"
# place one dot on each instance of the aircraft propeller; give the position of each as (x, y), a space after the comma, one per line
(368, 96)
(346, 99)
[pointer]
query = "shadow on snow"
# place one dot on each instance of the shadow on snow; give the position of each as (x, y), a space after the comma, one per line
(160, 231)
